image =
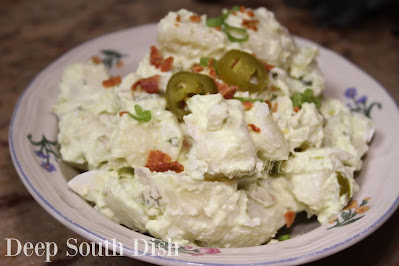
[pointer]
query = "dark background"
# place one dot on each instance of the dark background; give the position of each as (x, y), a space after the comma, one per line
(35, 33)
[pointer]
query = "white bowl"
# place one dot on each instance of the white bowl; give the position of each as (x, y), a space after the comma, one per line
(46, 177)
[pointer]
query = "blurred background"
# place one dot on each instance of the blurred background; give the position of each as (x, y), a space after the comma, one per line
(35, 33)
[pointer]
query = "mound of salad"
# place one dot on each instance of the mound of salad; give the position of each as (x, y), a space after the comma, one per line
(218, 139)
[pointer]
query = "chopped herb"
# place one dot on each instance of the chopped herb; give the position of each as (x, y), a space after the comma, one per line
(144, 116)
(306, 97)
(111, 57)
(234, 34)
(245, 99)
(205, 60)
(274, 75)
(284, 237)
(174, 141)
(305, 82)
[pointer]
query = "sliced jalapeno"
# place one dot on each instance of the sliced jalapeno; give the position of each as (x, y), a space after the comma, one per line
(182, 85)
(241, 69)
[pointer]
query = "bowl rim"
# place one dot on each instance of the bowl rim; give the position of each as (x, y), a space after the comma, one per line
(86, 233)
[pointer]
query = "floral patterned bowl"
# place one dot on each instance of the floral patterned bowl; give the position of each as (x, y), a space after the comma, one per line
(33, 146)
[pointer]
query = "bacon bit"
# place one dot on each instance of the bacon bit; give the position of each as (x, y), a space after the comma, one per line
(112, 81)
(210, 62)
(178, 19)
(242, 9)
(248, 105)
(159, 161)
(212, 73)
(186, 143)
(234, 13)
(267, 66)
(296, 109)
(273, 88)
(218, 28)
(269, 103)
(155, 58)
(250, 13)
(250, 24)
(226, 90)
(275, 108)
(195, 18)
(123, 112)
(96, 60)
(149, 85)
(176, 24)
(119, 63)
(289, 218)
(166, 64)
(197, 68)
(254, 128)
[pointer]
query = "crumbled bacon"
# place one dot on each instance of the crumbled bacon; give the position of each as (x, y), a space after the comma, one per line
(275, 108)
(212, 73)
(96, 60)
(273, 88)
(250, 13)
(166, 64)
(269, 103)
(178, 19)
(234, 13)
(289, 218)
(210, 62)
(195, 18)
(296, 109)
(155, 58)
(242, 9)
(267, 66)
(248, 105)
(123, 112)
(226, 90)
(218, 28)
(254, 128)
(197, 68)
(112, 81)
(149, 85)
(250, 24)
(159, 161)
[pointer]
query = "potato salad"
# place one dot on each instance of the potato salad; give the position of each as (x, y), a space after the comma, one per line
(219, 138)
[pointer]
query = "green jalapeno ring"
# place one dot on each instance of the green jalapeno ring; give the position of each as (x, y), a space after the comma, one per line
(242, 69)
(182, 85)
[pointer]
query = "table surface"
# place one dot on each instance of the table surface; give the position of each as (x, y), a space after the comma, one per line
(35, 33)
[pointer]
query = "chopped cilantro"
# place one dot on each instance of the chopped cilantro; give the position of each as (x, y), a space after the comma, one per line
(306, 97)
(144, 116)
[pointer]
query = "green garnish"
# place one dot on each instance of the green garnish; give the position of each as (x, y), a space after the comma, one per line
(284, 237)
(305, 82)
(234, 34)
(125, 170)
(174, 141)
(144, 116)
(245, 99)
(306, 97)
(205, 60)
(274, 75)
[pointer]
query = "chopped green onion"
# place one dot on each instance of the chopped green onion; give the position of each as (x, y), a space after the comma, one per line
(232, 33)
(284, 237)
(214, 22)
(245, 99)
(274, 75)
(306, 97)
